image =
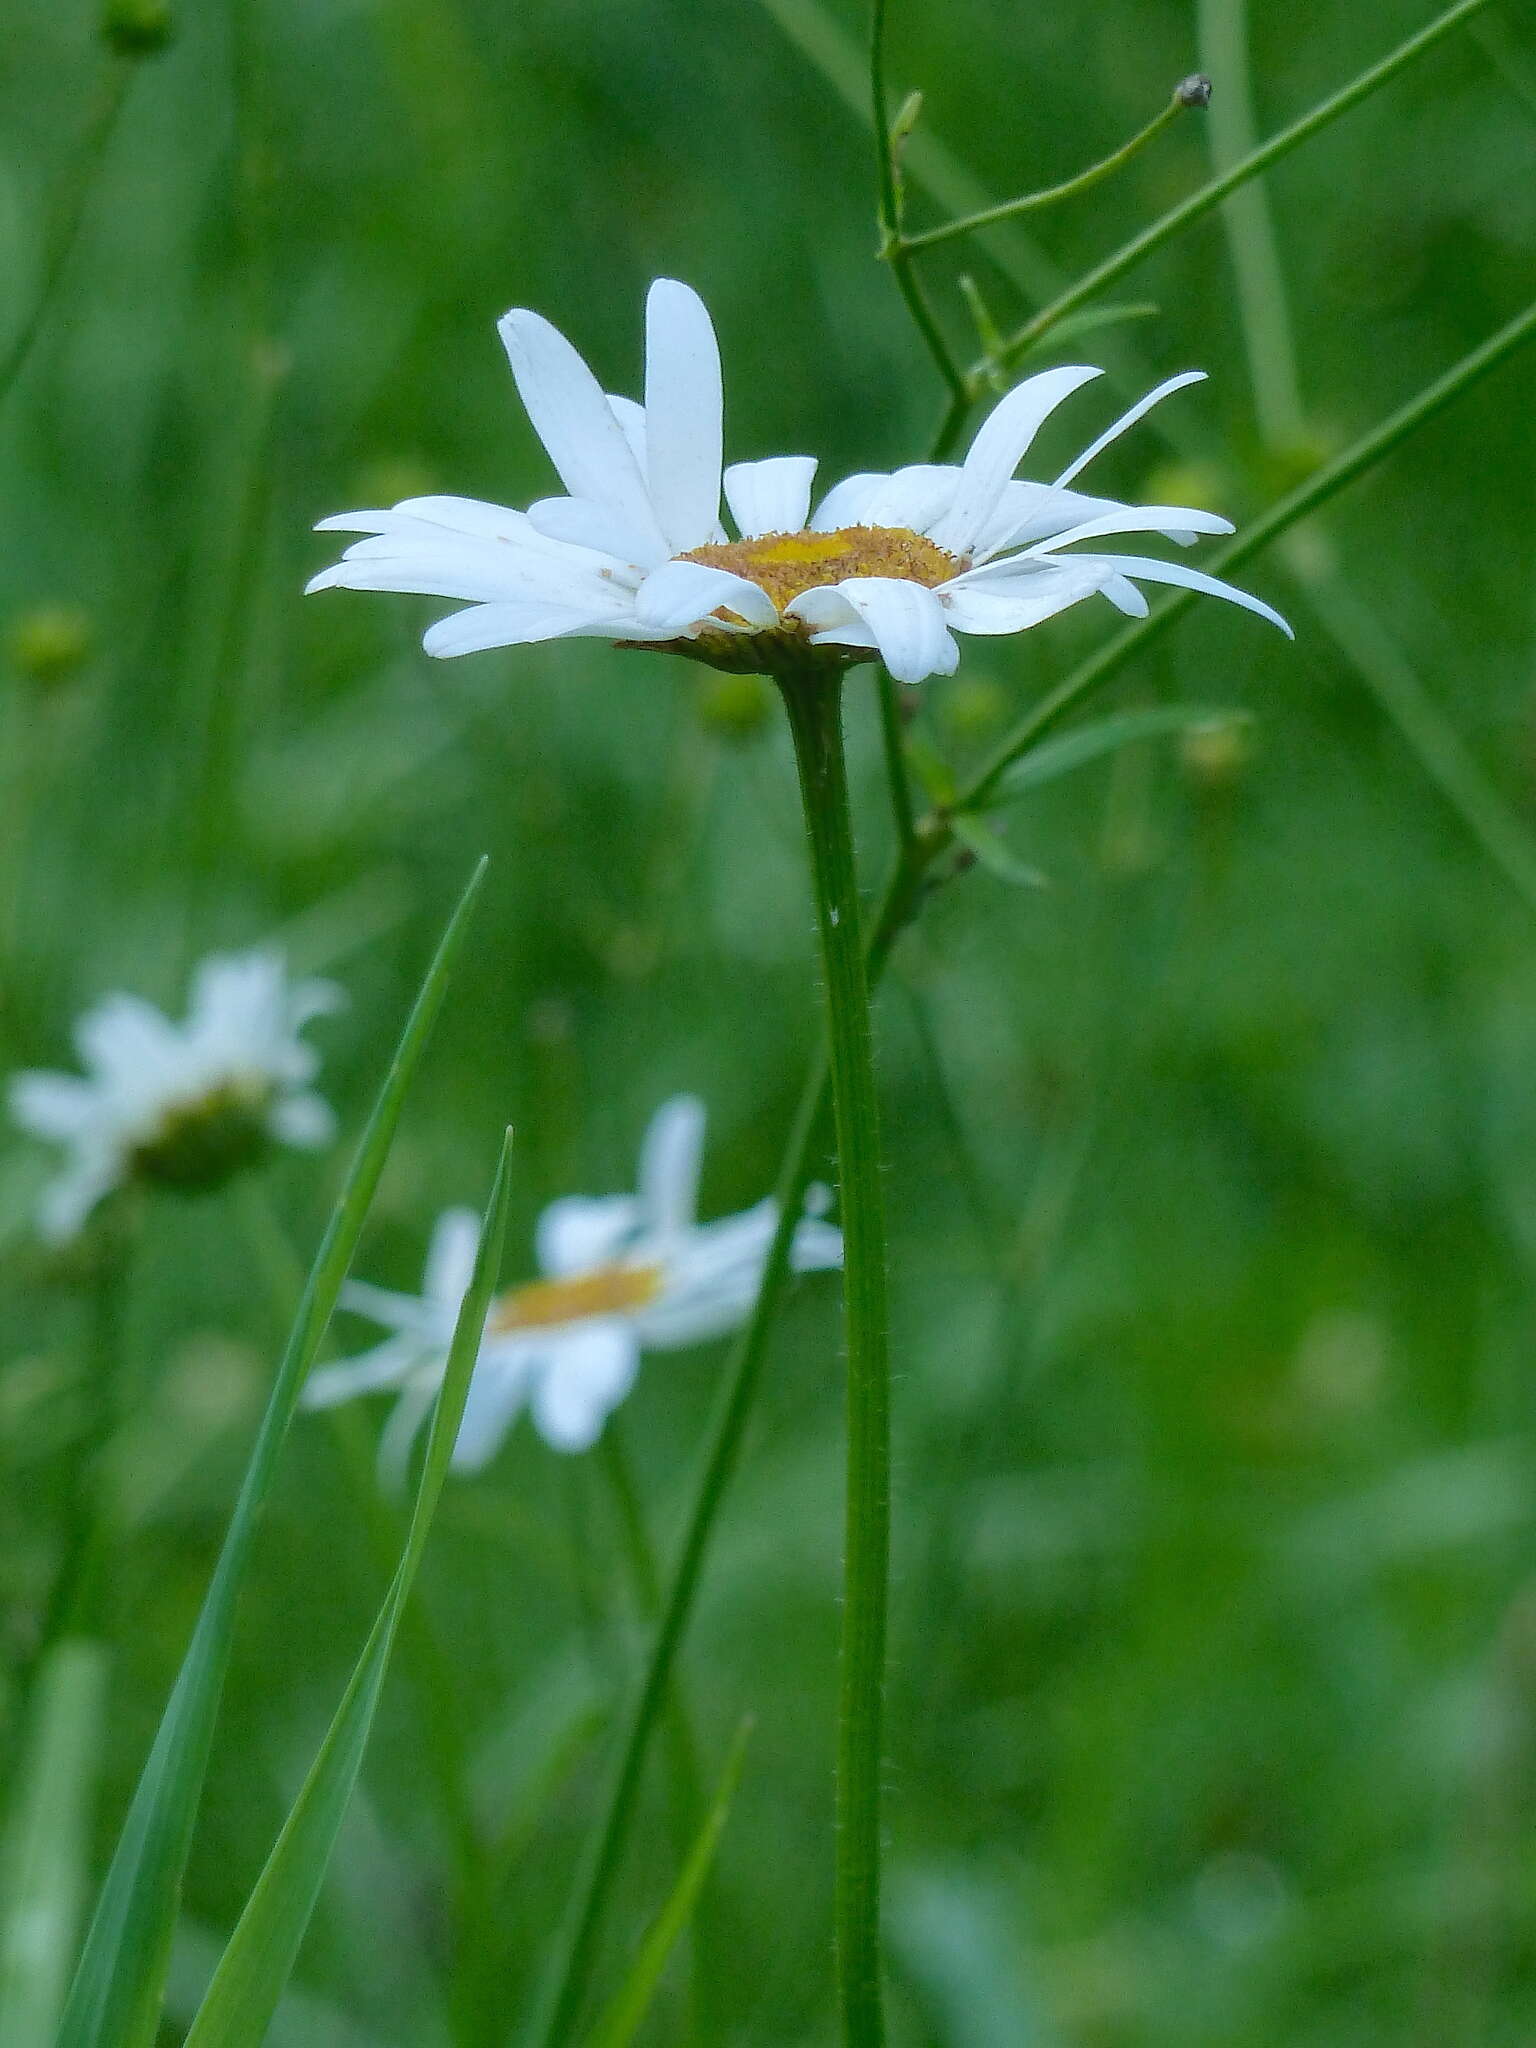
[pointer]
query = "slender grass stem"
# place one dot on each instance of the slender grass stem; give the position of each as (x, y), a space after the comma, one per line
(895, 753)
(1049, 195)
(813, 698)
(1210, 196)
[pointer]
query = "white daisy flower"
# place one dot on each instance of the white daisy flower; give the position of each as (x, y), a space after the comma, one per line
(888, 566)
(623, 1274)
(185, 1105)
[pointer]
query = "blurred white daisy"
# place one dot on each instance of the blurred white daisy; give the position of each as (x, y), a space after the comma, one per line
(623, 1274)
(886, 565)
(185, 1105)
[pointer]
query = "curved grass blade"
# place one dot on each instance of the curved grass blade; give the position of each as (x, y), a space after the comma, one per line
(43, 1864)
(632, 2001)
(249, 1980)
(1105, 736)
(115, 1999)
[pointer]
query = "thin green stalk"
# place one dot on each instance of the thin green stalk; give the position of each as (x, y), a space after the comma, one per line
(1285, 513)
(1210, 196)
(813, 698)
(1031, 202)
(1262, 308)
(895, 759)
(68, 218)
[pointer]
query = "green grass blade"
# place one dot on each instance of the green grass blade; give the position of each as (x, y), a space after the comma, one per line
(255, 1966)
(43, 1865)
(991, 853)
(1105, 736)
(626, 2014)
(115, 1999)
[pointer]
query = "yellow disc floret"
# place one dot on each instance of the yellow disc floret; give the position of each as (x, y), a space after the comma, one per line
(545, 1304)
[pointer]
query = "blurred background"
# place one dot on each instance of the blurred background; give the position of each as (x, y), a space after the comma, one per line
(1212, 1164)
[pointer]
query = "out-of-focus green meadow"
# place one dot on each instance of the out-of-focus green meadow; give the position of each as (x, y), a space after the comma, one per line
(1212, 1165)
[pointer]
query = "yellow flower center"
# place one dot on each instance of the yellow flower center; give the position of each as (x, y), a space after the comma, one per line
(784, 564)
(545, 1304)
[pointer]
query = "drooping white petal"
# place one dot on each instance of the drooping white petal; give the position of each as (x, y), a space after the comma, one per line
(682, 594)
(574, 420)
(55, 1106)
(683, 414)
(1128, 419)
(404, 1426)
(988, 604)
(670, 1157)
(844, 503)
(387, 1365)
(305, 1121)
(906, 619)
(578, 1232)
(582, 522)
(586, 1374)
(451, 1259)
(1146, 569)
(1029, 512)
(518, 625)
(1125, 597)
(772, 496)
(1000, 445)
(1137, 519)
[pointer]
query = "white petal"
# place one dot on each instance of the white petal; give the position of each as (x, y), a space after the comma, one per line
(573, 419)
(484, 571)
(1029, 512)
(578, 1232)
(586, 524)
(472, 516)
(916, 497)
(496, 1394)
(585, 1376)
(67, 1201)
(817, 1247)
(670, 1158)
(518, 625)
(1137, 519)
(1125, 597)
(1148, 570)
(387, 1365)
(683, 405)
(132, 1045)
(1129, 418)
(683, 594)
(53, 1106)
(631, 417)
(773, 496)
(451, 1259)
(986, 604)
(402, 1429)
(844, 503)
(999, 447)
(307, 1122)
(410, 1314)
(906, 619)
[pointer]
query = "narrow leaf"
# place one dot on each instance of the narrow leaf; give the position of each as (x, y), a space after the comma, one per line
(43, 1865)
(626, 2014)
(993, 855)
(116, 1996)
(1105, 736)
(249, 1980)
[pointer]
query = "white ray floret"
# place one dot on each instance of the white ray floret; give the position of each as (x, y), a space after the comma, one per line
(622, 1275)
(888, 565)
(184, 1103)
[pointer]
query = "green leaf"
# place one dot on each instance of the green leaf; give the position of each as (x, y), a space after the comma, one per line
(115, 1999)
(44, 1861)
(993, 855)
(255, 1966)
(624, 2016)
(1104, 736)
(1089, 321)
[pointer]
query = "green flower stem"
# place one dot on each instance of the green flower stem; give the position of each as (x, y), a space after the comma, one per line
(812, 696)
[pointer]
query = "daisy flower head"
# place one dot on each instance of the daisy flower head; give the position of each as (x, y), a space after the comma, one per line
(620, 1275)
(887, 566)
(180, 1105)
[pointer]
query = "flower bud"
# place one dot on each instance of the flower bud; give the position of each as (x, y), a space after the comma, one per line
(49, 643)
(1194, 91)
(137, 28)
(205, 1141)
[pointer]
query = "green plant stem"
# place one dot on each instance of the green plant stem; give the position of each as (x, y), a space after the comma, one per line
(1049, 195)
(68, 218)
(1210, 196)
(895, 758)
(813, 699)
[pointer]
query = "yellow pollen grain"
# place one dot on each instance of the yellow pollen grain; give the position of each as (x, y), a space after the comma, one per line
(785, 564)
(543, 1304)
